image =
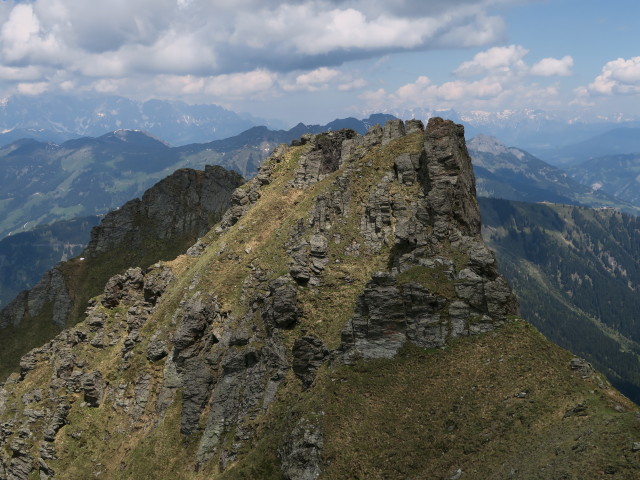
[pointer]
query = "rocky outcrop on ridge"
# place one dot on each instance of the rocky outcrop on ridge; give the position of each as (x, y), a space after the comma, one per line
(391, 312)
(345, 251)
(51, 291)
(187, 202)
(160, 225)
(46, 412)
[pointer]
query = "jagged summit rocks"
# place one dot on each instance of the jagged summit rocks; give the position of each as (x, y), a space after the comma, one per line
(272, 347)
(407, 303)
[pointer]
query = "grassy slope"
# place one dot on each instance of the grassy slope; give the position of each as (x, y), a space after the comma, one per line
(428, 413)
(422, 415)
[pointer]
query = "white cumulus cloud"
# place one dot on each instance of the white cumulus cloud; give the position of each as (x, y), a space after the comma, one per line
(620, 76)
(550, 67)
(498, 77)
(510, 60)
(352, 85)
(423, 89)
(314, 80)
(25, 41)
(237, 85)
(494, 60)
(34, 88)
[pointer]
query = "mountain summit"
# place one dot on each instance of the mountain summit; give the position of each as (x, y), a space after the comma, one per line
(344, 319)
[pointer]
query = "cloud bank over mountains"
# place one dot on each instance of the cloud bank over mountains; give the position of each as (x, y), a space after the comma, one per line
(495, 78)
(192, 43)
(223, 51)
(618, 76)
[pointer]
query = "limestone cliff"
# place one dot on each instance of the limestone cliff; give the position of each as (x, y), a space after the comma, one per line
(343, 320)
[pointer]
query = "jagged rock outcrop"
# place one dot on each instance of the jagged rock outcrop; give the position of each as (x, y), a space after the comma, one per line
(71, 375)
(301, 452)
(186, 203)
(51, 291)
(323, 157)
(122, 288)
(346, 257)
(388, 315)
(93, 388)
(160, 225)
(281, 310)
(309, 353)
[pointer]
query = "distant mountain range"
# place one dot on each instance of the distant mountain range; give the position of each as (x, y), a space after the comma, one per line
(611, 142)
(617, 175)
(24, 257)
(556, 137)
(56, 118)
(574, 269)
(514, 174)
(44, 182)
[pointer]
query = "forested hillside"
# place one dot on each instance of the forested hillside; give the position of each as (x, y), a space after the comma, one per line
(576, 272)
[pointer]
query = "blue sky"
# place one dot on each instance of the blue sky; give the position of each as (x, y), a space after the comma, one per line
(315, 60)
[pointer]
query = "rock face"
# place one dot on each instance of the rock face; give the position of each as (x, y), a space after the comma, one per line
(71, 375)
(308, 355)
(168, 218)
(301, 452)
(346, 251)
(187, 202)
(406, 302)
(50, 291)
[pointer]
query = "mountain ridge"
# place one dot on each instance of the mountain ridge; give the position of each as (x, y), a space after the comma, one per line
(62, 117)
(617, 175)
(25, 256)
(44, 182)
(342, 316)
(617, 141)
(514, 174)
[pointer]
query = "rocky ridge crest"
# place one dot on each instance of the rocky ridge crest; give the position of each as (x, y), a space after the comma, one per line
(344, 249)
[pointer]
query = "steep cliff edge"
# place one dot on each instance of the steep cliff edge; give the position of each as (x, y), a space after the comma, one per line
(343, 320)
(168, 218)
